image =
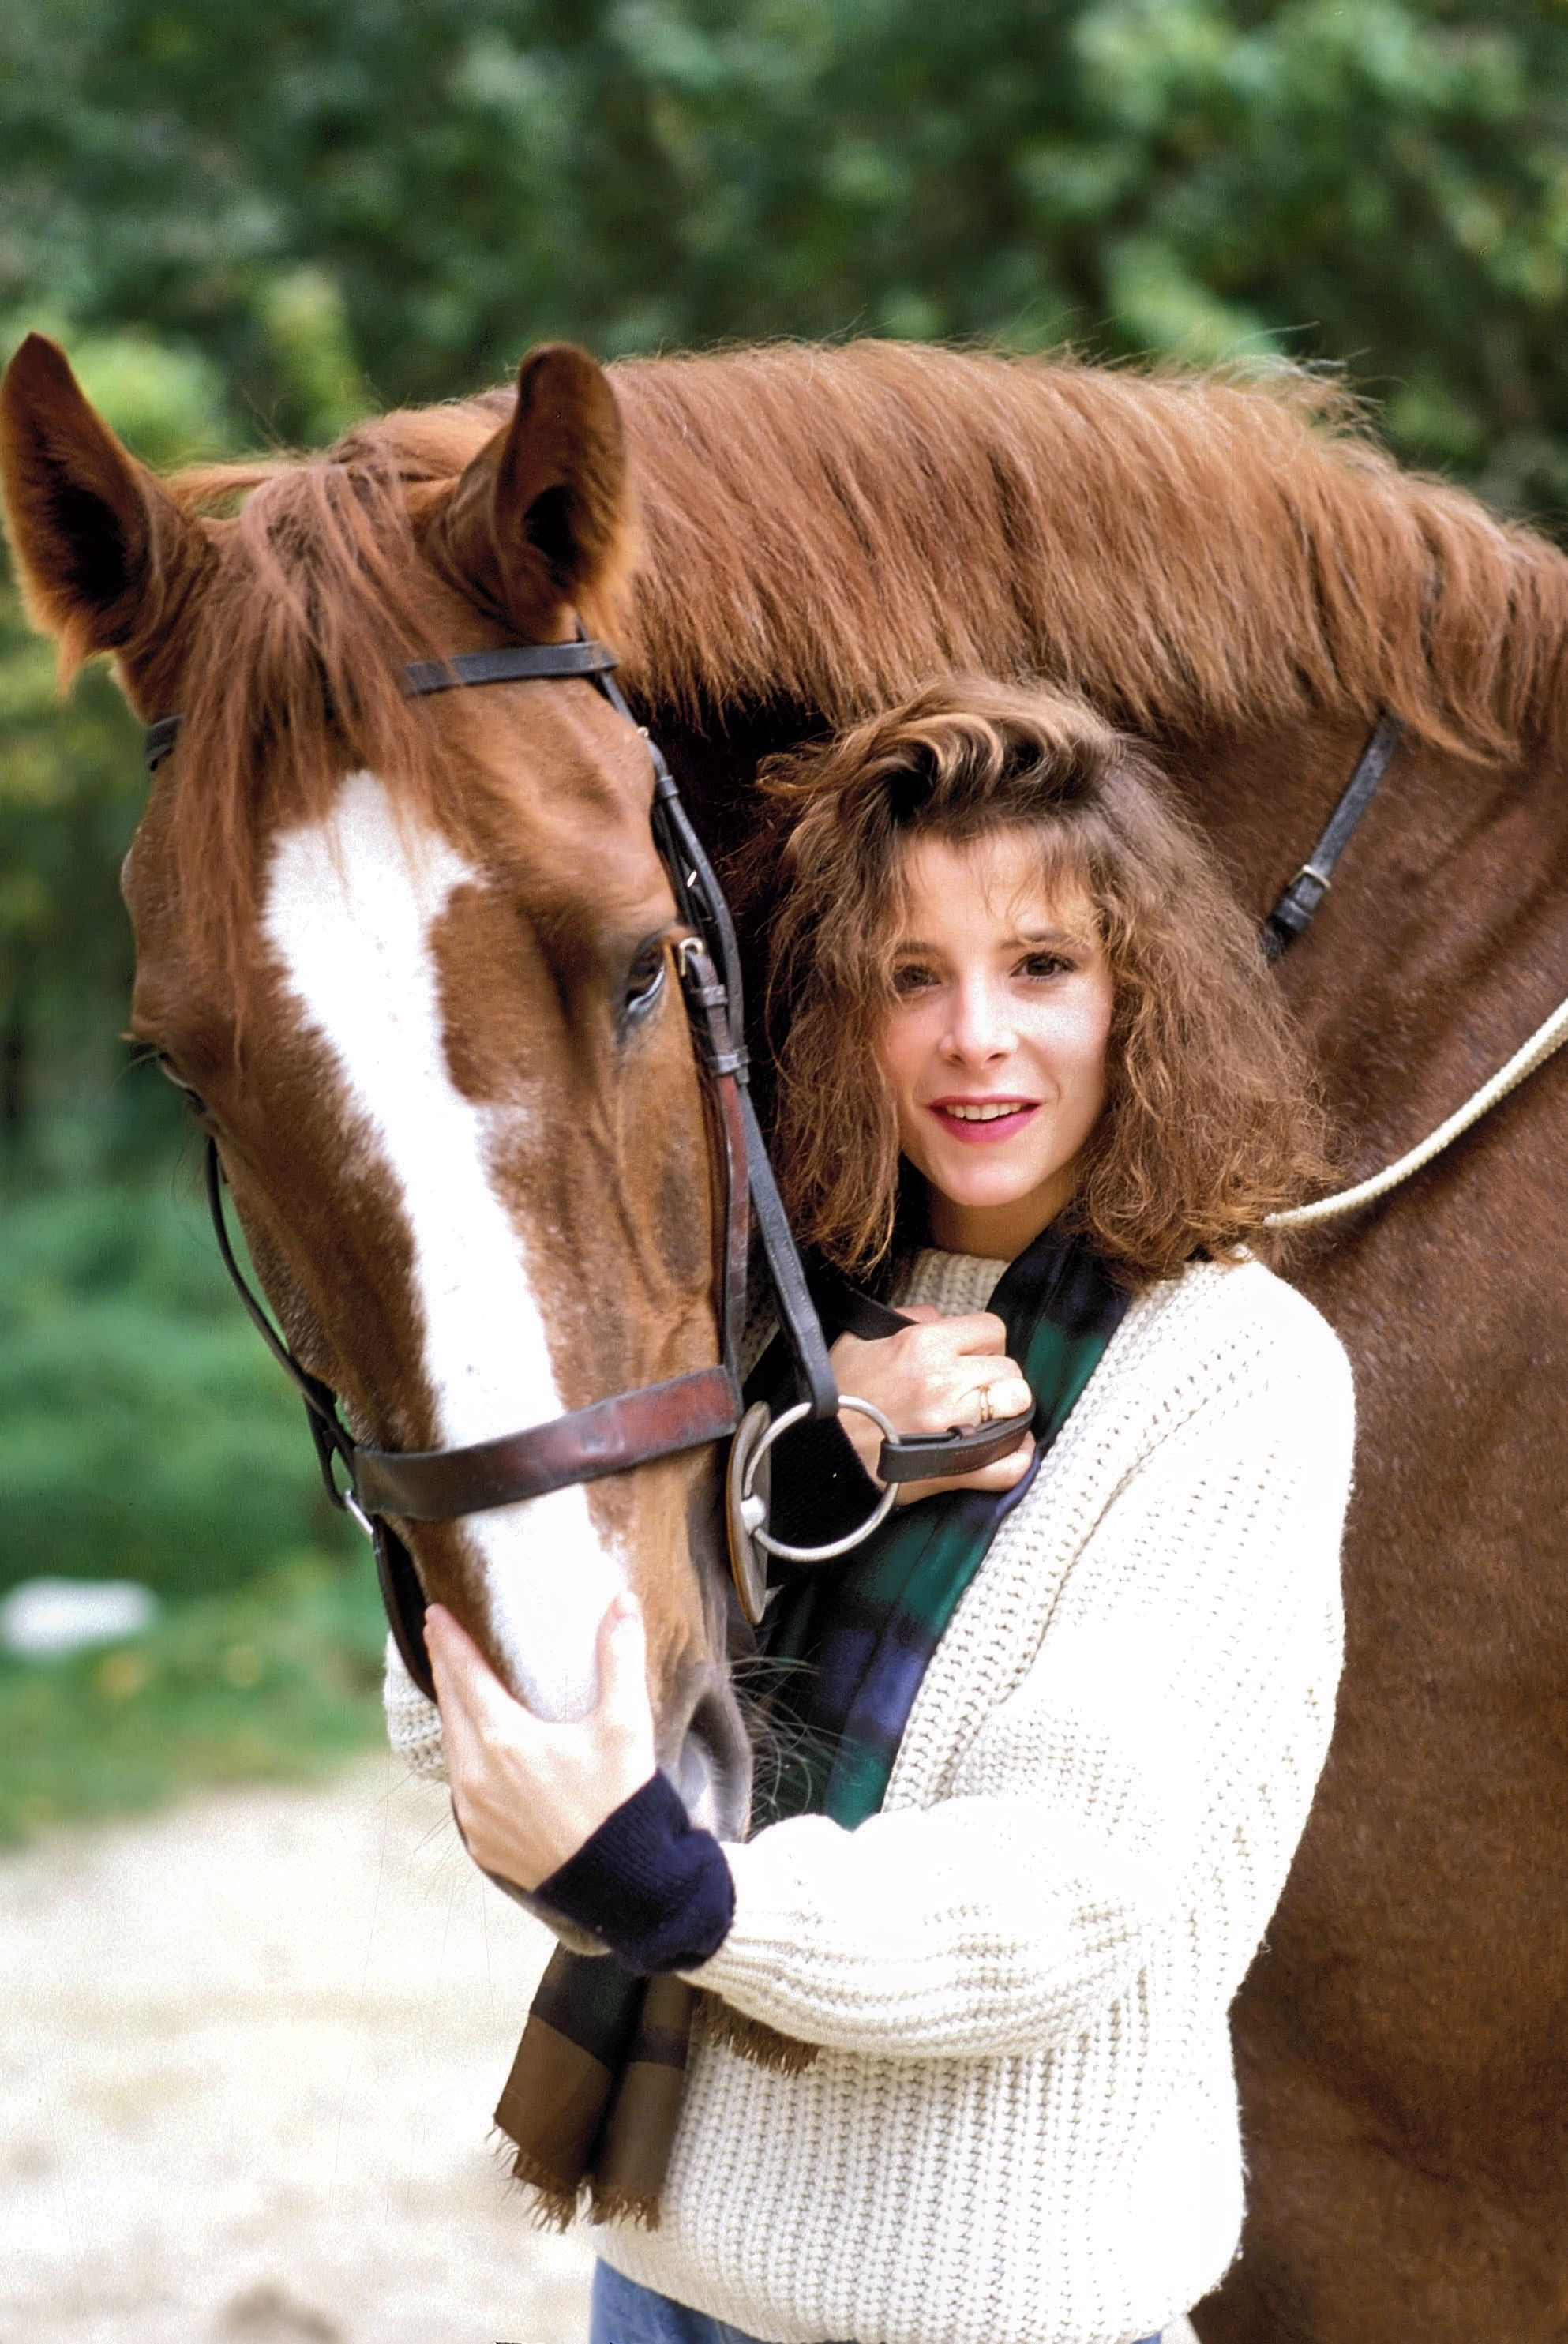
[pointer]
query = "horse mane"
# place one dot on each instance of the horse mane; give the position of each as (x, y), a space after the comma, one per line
(831, 528)
(1195, 554)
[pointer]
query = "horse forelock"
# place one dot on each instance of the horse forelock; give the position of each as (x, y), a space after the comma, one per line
(319, 593)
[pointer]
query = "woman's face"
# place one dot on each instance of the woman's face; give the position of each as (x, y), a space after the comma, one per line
(995, 1045)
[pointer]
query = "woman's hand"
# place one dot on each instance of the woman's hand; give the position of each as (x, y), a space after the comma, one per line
(527, 1794)
(927, 1377)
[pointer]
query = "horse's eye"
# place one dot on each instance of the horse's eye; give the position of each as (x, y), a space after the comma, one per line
(645, 983)
(192, 1100)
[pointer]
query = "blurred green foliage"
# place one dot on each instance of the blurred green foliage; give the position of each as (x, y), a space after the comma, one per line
(252, 225)
(71, 788)
(144, 1430)
(328, 193)
(279, 1678)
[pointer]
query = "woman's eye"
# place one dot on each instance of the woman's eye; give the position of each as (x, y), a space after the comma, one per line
(911, 978)
(1045, 965)
(645, 983)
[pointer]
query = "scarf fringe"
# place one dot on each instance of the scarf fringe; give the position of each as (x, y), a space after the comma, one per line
(623, 2206)
(553, 2206)
(751, 2038)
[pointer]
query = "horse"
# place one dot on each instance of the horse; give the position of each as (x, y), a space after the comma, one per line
(779, 540)
(410, 960)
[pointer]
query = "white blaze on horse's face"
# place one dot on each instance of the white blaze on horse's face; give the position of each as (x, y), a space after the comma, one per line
(351, 902)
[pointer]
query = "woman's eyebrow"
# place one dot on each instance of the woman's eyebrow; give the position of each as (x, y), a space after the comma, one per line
(1045, 936)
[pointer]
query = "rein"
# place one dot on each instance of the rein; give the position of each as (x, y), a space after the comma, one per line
(1547, 1039)
(653, 1420)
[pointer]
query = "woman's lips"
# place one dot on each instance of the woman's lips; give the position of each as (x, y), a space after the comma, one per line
(983, 1131)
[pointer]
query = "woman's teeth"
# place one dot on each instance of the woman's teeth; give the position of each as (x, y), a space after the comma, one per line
(992, 1112)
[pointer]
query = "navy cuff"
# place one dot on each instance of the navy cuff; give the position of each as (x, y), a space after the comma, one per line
(649, 1884)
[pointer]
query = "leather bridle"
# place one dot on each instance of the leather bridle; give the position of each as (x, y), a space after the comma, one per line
(655, 1421)
(1299, 906)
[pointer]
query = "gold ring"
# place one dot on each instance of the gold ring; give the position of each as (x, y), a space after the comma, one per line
(987, 1410)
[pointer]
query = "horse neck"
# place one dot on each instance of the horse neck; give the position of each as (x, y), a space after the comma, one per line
(1438, 947)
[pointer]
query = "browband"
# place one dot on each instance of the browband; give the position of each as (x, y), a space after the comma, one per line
(513, 663)
(508, 663)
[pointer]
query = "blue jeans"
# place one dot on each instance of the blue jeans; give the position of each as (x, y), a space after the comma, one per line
(624, 2313)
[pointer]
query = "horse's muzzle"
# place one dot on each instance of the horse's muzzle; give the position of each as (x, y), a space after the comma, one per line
(706, 1753)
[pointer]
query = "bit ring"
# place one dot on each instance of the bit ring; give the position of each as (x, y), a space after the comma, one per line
(753, 1508)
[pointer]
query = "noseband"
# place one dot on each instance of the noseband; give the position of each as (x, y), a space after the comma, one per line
(661, 1419)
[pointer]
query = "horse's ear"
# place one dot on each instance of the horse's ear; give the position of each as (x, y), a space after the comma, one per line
(100, 545)
(542, 517)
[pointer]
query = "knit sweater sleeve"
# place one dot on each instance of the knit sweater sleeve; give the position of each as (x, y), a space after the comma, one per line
(1125, 1815)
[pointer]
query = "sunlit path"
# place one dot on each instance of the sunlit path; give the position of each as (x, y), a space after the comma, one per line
(250, 2052)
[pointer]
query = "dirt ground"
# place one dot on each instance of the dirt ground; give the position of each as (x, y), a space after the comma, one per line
(249, 2054)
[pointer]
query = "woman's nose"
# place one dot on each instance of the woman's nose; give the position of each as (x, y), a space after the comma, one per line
(980, 1027)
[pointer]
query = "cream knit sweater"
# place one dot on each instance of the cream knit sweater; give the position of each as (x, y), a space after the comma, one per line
(1022, 2129)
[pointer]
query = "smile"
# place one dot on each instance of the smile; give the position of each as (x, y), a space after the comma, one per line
(984, 1120)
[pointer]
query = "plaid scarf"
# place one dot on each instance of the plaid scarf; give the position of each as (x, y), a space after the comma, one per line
(595, 2092)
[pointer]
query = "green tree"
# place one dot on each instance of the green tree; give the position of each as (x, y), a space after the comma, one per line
(326, 194)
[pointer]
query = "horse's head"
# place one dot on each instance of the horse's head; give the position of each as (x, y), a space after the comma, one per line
(412, 963)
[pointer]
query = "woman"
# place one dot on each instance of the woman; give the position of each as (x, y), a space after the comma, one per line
(971, 2081)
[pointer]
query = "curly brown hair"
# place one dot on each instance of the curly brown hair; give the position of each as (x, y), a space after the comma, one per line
(1210, 1123)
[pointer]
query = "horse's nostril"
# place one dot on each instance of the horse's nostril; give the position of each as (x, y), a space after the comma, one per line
(712, 1771)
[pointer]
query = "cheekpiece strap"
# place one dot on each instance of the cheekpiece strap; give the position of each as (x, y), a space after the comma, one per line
(1296, 908)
